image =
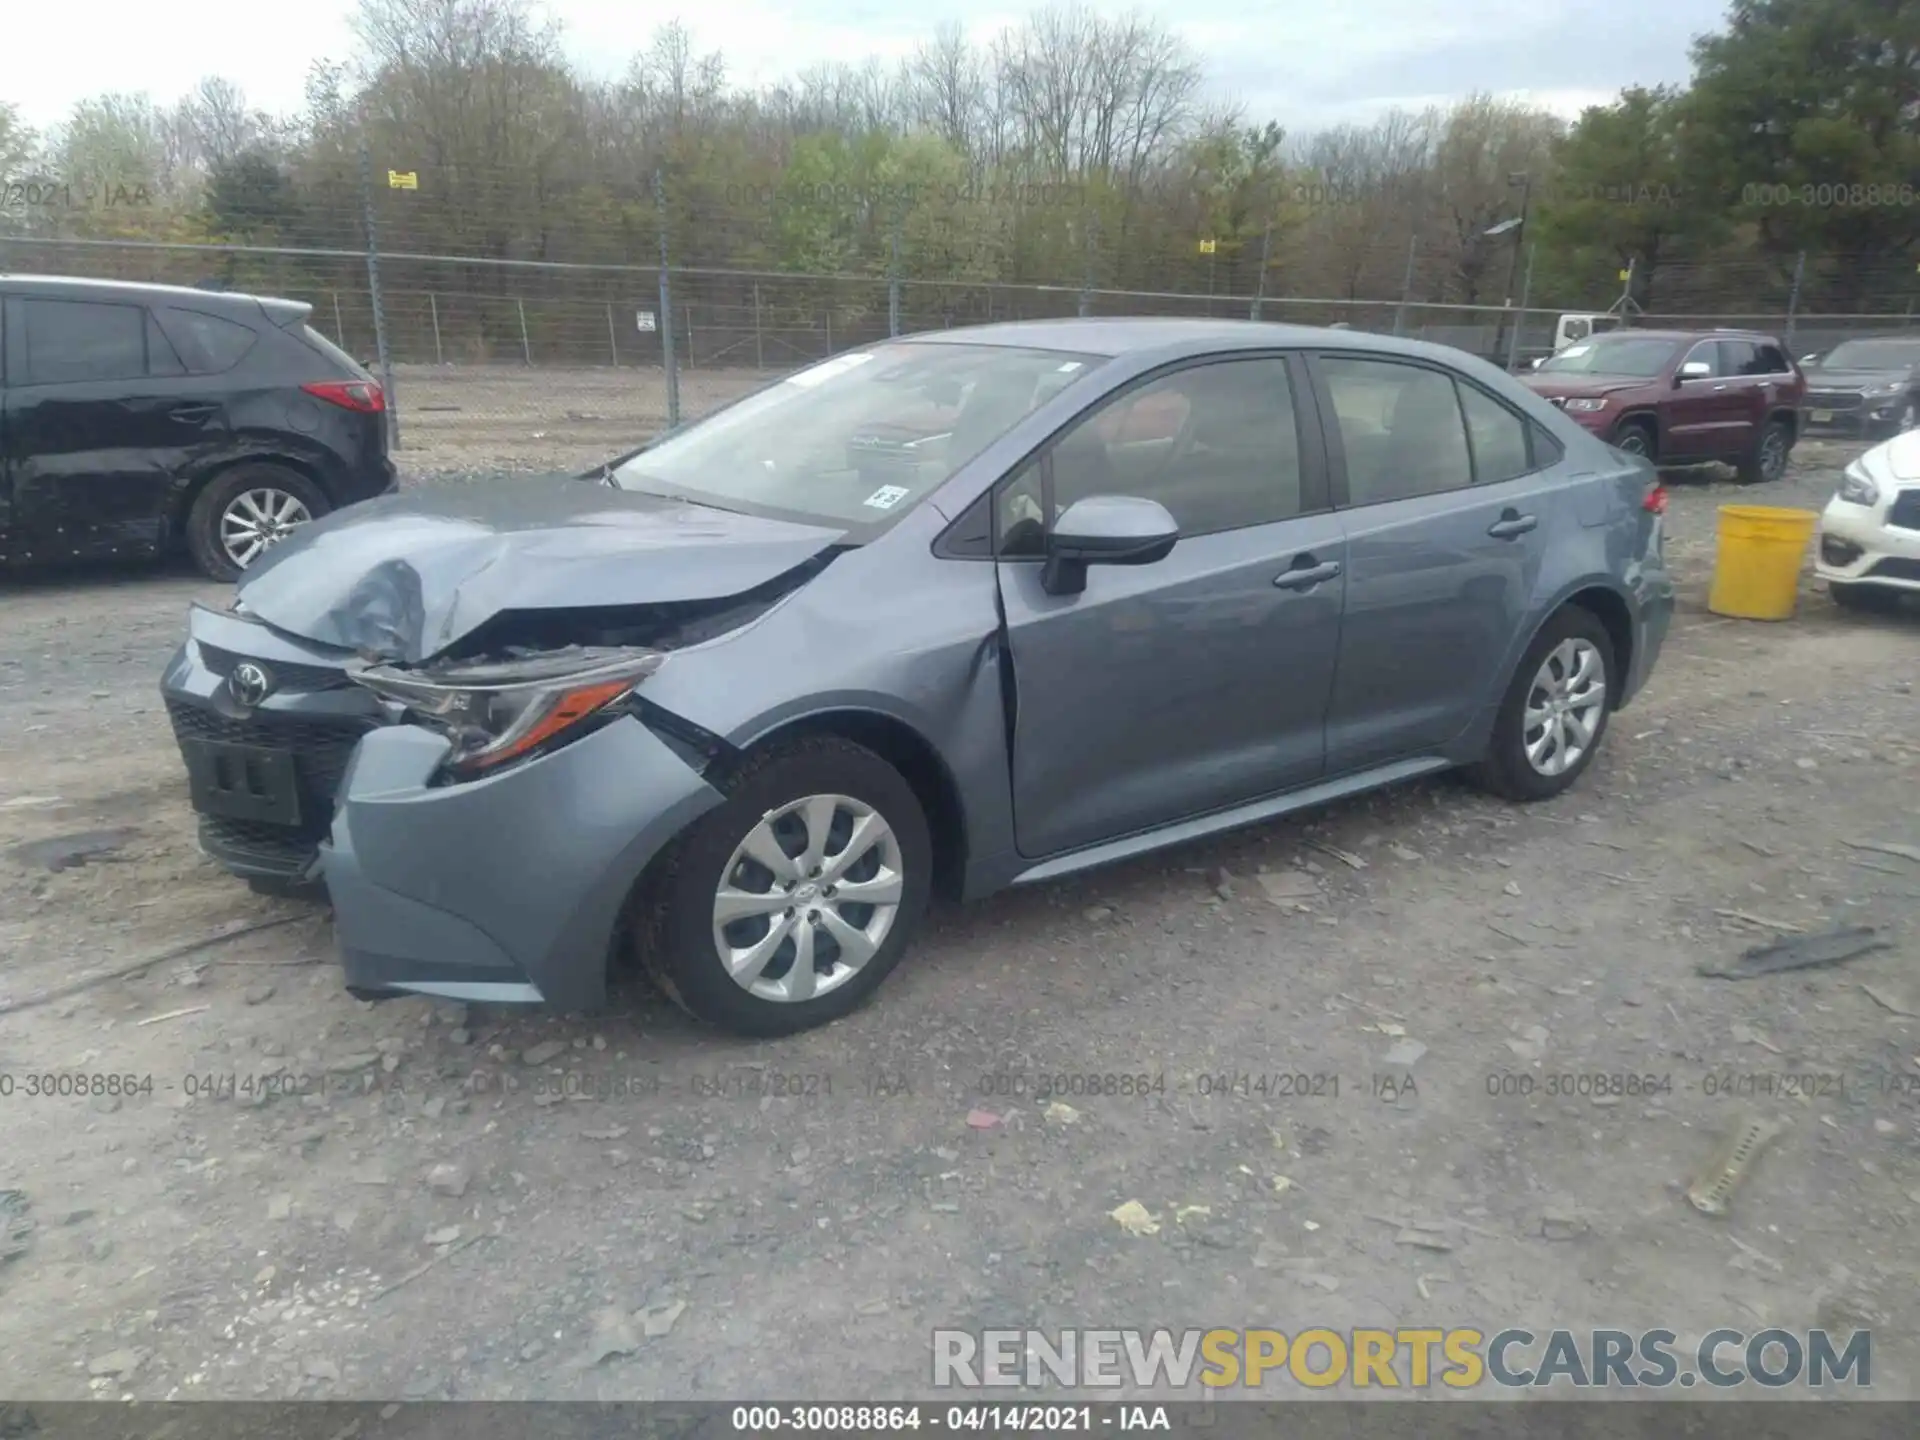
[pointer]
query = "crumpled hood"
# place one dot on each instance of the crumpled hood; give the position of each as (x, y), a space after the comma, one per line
(404, 576)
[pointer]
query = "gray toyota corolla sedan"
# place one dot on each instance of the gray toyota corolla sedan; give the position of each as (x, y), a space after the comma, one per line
(955, 612)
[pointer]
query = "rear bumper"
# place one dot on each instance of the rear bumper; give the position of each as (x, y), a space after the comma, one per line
(1655, 590)
(508, 888)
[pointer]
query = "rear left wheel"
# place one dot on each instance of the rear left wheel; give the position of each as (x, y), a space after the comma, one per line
(242, 513)
(1555, 710)
(785, 907)
(1767, 460)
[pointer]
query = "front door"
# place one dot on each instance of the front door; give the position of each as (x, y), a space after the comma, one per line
(1169, 690)
(1447, 518)
(1709, 415)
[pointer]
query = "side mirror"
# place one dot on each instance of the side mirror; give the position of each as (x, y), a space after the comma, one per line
(1105, 530)
(1692, 370)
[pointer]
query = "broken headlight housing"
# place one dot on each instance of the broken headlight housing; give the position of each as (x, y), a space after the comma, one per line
(499, 711)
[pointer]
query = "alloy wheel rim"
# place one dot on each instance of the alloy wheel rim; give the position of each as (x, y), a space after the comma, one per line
(1634, 442)
(1773, 456)
(808, 898)
(258, 518)
(1564, 707)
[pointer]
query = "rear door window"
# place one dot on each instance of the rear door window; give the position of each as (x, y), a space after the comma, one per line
(78, 341)
(208, 344)
(1739, 357)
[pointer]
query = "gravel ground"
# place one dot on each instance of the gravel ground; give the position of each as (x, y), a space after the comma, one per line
(481, 1203)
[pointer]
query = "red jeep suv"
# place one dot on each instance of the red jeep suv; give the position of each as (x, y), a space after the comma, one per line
(1682, 397)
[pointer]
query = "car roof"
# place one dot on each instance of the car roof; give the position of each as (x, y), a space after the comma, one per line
(1116, 335)
(77, 287)
(1717, 333)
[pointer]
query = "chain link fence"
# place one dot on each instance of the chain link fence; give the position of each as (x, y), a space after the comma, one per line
(533, 365)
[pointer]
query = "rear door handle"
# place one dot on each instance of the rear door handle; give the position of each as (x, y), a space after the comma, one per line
(1305, 574)
(1510, 525)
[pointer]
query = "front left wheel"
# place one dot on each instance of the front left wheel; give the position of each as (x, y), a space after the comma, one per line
(785, 906)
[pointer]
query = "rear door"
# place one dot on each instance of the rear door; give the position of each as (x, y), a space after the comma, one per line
(101, 418)
(1447, 504)
(1173, 689)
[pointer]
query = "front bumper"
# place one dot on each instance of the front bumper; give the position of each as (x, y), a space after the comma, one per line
(1856, 545)
(507, 888)
(314, 713)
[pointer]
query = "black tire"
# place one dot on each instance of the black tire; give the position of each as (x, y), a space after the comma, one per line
(210, 506)
(1767, 460)
(674, 935)
(1505, 770)
(1636, 437)
(1864, 599)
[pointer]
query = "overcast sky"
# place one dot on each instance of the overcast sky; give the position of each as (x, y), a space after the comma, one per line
(1304, 65)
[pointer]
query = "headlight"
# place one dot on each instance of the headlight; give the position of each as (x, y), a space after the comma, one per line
(1877, 392)
(1586, 406)
(1856, 488)
(496, 711)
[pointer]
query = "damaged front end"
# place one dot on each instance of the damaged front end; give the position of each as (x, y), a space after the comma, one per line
(528, 682)
(497, 712)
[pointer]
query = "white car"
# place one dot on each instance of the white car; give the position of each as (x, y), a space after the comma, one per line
(1869, 544)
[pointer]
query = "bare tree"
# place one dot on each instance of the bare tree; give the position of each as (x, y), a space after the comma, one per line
(949, 90)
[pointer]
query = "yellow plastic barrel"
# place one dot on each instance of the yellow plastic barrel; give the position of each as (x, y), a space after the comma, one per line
(1756, 574)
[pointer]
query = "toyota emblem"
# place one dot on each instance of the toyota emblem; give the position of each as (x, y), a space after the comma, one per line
(249, 683)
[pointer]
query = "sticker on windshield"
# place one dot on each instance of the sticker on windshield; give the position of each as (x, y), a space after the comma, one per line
(1576, 350)
(1069, 367)
(886, 497)
(827, 369)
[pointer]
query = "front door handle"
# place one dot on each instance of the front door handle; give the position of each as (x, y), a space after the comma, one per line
(1510, 525)
(1305, 574)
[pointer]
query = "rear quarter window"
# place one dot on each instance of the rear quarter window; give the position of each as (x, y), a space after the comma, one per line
(349, 366)
(207, 344)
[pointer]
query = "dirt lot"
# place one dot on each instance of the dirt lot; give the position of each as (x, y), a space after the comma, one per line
(490, 418)
(198, 1237)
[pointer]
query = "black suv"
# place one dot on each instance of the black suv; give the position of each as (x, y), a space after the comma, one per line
(136, 419)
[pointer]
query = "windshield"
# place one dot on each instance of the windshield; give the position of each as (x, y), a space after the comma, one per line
(859, 439)
(1639, 356)
(1893, 354)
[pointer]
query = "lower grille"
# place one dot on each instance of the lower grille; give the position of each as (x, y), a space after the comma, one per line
(1906, 510)
(321, 750)
(262, 847)
(1838, 401)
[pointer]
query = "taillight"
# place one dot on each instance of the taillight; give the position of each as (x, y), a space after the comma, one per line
(361, 395)
(1656, 501)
